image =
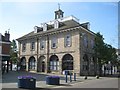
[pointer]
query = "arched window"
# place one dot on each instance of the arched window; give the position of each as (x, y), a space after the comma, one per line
(23, 63)
(67, 62)
(54, 63)
(32, 63)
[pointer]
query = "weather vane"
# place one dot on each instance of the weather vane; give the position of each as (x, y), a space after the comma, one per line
(58, 5)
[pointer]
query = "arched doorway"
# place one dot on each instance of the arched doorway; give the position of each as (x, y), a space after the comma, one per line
(54, 63)
(41, 64)
(67, 62)
(32, 63)
(23, 63)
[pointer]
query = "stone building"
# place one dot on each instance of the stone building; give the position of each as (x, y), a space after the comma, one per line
(58, 45)
(5, 51)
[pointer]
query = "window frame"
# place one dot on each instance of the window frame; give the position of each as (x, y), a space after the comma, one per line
(54, 65)
(42, 43)
(32, 64)
(68, 42)
(92, 43)
(32, 46)
(56, 24)
(85, 40)
(23, 47)
(54, 41)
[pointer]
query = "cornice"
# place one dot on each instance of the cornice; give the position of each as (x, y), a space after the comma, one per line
(54, 31)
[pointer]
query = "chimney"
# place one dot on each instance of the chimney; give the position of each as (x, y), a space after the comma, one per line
(7, 36)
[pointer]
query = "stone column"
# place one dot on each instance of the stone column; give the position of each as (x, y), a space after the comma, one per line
(27, 67)
(60, 67)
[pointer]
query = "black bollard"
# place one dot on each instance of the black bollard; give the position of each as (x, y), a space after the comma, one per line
(74, 76)
(70, 77)
(66, 76)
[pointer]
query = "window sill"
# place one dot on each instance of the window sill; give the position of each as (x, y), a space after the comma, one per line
(53, 47)
(42, 48)
(32, 50)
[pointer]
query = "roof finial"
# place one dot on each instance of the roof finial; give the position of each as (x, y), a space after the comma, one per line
(58, 6)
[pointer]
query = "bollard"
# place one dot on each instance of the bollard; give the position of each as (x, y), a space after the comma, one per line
(65, 76)
(70, 77)
(74, 76)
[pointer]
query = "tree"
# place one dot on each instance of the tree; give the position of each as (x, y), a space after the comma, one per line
(110, 56)
(99, 50)
(104, 52)
(13, 53)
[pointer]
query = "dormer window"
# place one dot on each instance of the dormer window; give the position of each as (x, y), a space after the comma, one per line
(56, 24)
(44, 27)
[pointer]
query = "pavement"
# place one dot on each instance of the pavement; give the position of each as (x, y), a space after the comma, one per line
(9, 80)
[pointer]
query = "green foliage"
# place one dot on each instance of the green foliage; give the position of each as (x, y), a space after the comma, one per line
(104, 52)
(13, 52)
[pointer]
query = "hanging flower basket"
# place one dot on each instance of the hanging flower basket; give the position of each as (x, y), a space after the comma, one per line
(53, 80)
(26, 82)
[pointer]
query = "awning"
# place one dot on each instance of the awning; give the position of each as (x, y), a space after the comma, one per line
(5, 58)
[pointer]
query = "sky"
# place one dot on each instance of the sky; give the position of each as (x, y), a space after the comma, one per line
(21, 17)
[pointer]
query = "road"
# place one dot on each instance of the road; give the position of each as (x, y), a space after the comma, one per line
(98, 83)
(10, 81)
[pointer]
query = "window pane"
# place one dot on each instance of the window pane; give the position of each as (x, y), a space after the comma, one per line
(57, 62)
(68, 40)
(54, 63)
(42, 44)
(32, 45)
(54, 43)
(54, 68)
(51, 62)
(50, 67)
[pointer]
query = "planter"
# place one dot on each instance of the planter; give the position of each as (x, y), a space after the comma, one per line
(52, 80)
(26, 82)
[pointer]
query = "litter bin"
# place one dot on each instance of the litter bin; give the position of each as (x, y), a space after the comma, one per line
(26, 82)
(53, 80)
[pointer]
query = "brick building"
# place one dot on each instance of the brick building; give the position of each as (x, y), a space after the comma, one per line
(58, 45)
(5, 51)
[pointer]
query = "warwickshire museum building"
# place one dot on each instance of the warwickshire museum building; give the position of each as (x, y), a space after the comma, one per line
(58, 45)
